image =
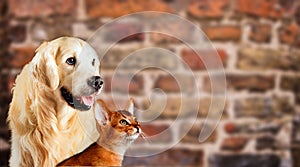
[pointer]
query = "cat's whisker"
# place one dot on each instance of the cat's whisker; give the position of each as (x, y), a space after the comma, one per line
(145, 137)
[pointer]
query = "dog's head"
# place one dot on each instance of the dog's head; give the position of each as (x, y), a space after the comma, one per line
(71, 66)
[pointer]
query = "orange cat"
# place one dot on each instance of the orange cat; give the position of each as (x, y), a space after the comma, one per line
(118, 129)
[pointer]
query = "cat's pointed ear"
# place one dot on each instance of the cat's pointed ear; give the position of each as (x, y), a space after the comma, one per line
(101, 112)
(130, 107)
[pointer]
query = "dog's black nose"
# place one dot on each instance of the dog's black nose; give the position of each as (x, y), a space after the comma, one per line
(95, 82)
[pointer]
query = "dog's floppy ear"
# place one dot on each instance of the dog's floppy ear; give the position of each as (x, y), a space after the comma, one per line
(46, 64)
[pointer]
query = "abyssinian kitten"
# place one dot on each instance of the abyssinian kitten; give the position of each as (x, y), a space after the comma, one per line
(117, 129)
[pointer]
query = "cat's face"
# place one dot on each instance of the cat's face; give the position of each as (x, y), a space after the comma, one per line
(118, 125)
(125, 124)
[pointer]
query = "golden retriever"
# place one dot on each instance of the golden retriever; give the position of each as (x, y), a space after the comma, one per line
(44, 116)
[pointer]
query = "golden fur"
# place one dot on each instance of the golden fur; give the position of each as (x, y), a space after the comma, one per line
(115, 138)
(45, 130)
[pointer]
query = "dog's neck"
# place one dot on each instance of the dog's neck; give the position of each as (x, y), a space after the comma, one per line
(65, 112)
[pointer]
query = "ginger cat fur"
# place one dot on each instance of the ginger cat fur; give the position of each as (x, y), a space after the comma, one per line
(117, 129)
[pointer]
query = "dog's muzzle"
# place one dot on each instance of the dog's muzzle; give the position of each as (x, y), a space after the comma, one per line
(84, 102)
(95, 82)
(76, 102)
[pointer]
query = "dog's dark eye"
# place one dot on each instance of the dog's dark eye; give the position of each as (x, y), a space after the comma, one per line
(124, 122)
(71, 61)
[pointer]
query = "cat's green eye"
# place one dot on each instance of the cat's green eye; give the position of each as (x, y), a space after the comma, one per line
(124, 122)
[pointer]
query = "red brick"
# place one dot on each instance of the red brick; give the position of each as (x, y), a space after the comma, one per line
(295, 154)
(169, 83)
(251, 82)
(263, 107)
(32, 8)
(154, 129)
(194, 61)
(17, 33)
(172, 157)
(297, 15)
(154, 109)
(172, 31)
(205, 9)
(114, 57)
(212, 105)
(256, 59)
(4, 83)
(230, 128)
(116, 8)
(5, 41)
(234, 143)
(175, 107)
(266, 142)
(223, 33)
(287, 4)
(21, 56)
(290, 34)
(135, 61)
(3, 9)
(156, 133)
(214, 83)
(50, 29)
(193, 134)
(170, 108)
(260, 8)
(245, 159)
(163, 39)
(135, 86)
(288, 8)
(255, 128)
(119, 31)
(260, 33)
(291, 83)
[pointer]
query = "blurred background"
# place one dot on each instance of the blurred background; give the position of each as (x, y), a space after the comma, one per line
(257, 41)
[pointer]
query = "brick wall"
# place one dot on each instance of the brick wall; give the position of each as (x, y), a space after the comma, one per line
(258, 44)
(4, 74)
